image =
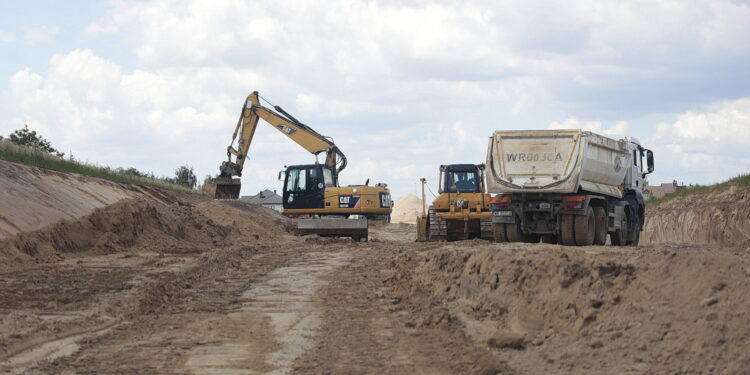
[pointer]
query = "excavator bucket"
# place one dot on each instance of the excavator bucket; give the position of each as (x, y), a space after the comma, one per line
(224, 188)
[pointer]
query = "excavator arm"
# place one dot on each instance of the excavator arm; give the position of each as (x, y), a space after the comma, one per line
(244, 131)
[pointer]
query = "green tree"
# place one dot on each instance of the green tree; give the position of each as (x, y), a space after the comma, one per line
(30, 138)
(185, 176)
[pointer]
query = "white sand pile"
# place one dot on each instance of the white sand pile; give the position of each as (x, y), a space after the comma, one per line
(406, 209)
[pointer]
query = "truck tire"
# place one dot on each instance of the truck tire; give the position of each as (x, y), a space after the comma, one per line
(567, 231)
(585, 226)
(620, 236)
(498, 231)
(635, 237)
(513, 231)
(600, 216)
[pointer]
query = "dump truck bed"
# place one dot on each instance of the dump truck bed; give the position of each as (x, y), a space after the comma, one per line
(556, 161)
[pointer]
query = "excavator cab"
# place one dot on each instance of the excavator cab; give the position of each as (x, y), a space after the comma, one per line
(304, 186)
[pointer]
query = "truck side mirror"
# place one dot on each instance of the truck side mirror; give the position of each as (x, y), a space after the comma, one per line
(281, 173)
(650, 161)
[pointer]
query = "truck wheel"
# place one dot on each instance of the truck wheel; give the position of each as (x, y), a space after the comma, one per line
(635, 237)
(620, 236)
(549, 238)
(513, 231)
(567, 232)
(585, 226)
(498, 231)
(600, 216)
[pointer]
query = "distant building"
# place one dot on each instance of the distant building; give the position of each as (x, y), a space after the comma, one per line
(662, 190)
(266, 198)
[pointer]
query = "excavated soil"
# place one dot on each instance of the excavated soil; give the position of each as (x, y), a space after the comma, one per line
(719, 217)
(158, 283)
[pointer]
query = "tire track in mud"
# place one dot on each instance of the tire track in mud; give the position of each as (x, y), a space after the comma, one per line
(285, 302)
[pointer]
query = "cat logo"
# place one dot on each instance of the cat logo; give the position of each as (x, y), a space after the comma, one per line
(286, 129)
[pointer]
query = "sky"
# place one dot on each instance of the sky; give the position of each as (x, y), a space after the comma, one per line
(401, 86)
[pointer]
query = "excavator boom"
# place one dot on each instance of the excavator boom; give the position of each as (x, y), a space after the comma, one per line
(228, 187)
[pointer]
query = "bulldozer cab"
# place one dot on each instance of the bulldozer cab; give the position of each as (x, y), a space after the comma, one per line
(461, 178)
(304, 186)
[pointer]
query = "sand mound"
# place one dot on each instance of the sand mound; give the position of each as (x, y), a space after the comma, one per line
(718, 217)
(675, 309)
(406, 209)
(118, 227)
(144, 223)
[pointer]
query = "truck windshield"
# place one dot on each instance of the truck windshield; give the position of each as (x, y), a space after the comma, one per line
(461, 182)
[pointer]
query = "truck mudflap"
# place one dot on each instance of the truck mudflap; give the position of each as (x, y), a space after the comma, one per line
(357, 229)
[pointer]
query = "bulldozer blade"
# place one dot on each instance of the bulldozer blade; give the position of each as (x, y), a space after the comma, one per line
(422, 229)
(225, 188)
(355, 228)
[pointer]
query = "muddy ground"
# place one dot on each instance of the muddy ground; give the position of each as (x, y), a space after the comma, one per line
(186, 285)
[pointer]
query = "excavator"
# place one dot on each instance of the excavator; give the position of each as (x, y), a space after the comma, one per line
(310, 190)
(461, 210)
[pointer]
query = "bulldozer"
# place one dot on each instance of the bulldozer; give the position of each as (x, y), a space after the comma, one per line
(461, 211)
(311, 191)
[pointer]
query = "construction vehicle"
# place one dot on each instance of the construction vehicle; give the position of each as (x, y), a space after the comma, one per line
(310, 190)
(461, 210)
(571, 187)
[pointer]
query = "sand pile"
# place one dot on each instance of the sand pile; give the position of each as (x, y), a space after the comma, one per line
(550, 308)
(406, 209)
(118, 227)
(720, 217)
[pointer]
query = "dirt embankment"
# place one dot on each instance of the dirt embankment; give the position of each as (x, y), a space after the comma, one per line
(719, 217)
(34, 197)
(553, 309)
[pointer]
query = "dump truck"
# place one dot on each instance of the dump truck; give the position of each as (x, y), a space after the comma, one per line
(461, 211)
(311, 191)
(571, 187)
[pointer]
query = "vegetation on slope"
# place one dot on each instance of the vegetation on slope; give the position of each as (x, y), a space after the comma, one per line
(40, 158)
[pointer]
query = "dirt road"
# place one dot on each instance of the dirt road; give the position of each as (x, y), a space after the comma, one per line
(184, 285)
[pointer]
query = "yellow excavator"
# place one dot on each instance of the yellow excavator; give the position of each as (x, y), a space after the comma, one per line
(461, 210)
(310, 190)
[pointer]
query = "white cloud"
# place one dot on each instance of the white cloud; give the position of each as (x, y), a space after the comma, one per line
(706, 145)
(43, 34)
(618, 129)
(534, 55)
(6, 37)
(402, 86)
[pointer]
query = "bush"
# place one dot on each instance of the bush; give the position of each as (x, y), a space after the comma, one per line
(29, 138)
(185, 176)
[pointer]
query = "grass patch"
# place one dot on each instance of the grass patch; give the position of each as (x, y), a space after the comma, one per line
(11, 152)
(742, 180)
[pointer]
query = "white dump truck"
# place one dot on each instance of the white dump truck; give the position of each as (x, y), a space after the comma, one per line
(570, 187)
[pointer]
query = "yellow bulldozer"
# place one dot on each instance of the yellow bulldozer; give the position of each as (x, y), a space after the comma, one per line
(311, 191)
(461, 210)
